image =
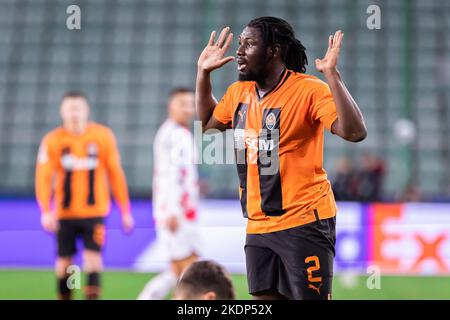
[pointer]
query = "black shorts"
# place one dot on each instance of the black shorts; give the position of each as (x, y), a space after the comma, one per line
(91, 230)
(297, 262)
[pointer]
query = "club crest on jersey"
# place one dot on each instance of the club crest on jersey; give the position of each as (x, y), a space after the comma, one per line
(271, 121)
(92, 149)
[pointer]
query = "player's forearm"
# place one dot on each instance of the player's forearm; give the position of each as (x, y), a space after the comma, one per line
(204, 99)
(120, 190)
(44, 203)
(43, 197)
(43, 189)
(350, 123)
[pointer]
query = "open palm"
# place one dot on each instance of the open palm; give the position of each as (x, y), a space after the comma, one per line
(212, 56)
(330, 60)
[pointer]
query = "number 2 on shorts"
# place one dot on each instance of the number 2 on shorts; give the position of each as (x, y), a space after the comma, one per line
(313, 268)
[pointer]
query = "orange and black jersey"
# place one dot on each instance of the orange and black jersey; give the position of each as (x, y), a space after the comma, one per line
(279, 150)
(75, 169)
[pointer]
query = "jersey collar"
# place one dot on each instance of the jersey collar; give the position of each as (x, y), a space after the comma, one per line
(285, 75)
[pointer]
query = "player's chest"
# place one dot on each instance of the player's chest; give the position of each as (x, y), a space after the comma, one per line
(79, 154)
(280, 116)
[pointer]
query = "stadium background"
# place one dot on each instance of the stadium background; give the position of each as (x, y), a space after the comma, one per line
(129, 54)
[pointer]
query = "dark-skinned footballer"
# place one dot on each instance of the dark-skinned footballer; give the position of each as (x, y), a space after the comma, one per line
(278, 114)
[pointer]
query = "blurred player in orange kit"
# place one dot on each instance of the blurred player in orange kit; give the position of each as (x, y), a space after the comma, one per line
(75, 162)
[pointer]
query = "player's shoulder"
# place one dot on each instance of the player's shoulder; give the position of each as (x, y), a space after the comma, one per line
(170, 131)
(307, 81)
(180, 132)
(100, 129)
(53, 135)
(239, 87)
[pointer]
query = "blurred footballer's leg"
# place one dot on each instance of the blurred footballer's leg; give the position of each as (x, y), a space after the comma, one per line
(93, 266)
(61, 267)
(159, 287)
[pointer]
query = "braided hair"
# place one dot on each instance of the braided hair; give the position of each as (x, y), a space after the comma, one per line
(278, 31)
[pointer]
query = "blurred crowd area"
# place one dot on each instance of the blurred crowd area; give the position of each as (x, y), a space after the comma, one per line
(362, 180)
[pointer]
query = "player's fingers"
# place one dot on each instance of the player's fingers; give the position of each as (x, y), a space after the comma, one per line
(330, 44)
(211, 38)
(336, 38)
(222, 36)
(56, 226)
(226, 60)
(50, 227)
(341, 38)
(337, 33)
(53, 227)
(228, 42)
(131, 225)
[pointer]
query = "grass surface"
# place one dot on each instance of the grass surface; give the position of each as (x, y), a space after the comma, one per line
(40, 284)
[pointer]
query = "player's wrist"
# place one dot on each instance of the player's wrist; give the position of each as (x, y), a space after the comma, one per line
(203, 72)
(331, 73)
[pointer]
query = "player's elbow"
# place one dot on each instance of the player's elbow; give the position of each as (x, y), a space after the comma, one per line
(213, 127)
(205, 124)
(204, 127)
(357, 136)
(208, 130)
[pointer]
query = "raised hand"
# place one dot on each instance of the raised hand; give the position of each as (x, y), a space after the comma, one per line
(329, 62)
(212, 56)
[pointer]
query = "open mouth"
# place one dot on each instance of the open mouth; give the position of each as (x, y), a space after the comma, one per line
(241, 65)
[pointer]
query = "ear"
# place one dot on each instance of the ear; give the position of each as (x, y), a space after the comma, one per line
(276, 51)
(210, 295)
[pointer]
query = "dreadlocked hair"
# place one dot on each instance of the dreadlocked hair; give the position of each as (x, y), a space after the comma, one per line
(278, 31)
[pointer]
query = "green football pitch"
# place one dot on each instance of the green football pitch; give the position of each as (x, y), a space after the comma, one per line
(40, 284)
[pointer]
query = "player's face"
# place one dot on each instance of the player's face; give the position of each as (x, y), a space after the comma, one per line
(181, 108)
(74, 112)
(252, 56)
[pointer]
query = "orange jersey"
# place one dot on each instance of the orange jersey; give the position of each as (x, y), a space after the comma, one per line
(75, 168)
(279, 150)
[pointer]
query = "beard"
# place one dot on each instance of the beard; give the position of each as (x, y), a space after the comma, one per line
(258, 74)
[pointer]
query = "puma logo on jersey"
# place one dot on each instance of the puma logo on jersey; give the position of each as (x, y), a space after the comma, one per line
(241, 115)
(311, 286)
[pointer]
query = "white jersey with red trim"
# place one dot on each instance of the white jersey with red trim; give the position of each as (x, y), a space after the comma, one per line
(175, 177)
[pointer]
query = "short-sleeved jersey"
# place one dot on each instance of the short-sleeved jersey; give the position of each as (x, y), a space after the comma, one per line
(279, 150)
(75, 169)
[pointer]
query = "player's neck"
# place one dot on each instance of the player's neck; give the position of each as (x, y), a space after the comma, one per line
(272, 79)
(75, 129)
(180, 123)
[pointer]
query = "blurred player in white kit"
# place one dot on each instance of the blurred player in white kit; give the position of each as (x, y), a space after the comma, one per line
(175, 193)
